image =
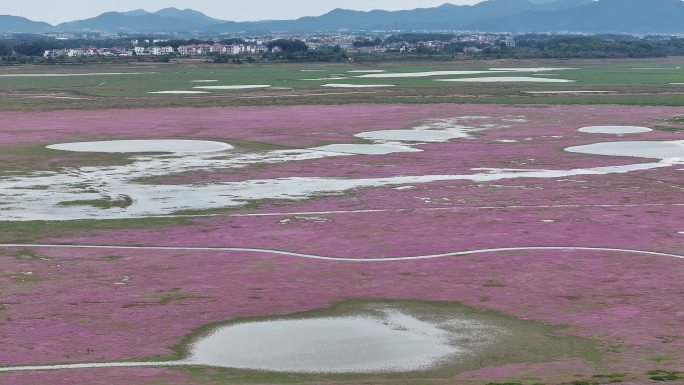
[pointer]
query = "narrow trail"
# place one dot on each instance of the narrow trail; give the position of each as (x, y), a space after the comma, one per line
(423, 209)
(428, 209)
(345, 259)
(94, 365)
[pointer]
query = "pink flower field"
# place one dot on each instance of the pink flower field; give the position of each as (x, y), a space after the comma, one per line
(609, 271)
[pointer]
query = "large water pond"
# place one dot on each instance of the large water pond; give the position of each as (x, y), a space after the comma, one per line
(382, 337)
(391, 341)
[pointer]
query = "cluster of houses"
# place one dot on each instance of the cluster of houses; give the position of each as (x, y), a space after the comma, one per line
(114, 51)
(473, 43)
(183, 50)
(231, 49)
(345, 41)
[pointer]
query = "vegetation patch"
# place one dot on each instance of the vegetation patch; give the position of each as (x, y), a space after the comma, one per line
(610, 377)
(105, 204)
(664, 375)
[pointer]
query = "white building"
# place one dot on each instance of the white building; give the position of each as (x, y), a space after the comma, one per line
(75, 52)
(194, 50)
(509, 43)
(235, 49)
(160, 51)
(217, 48)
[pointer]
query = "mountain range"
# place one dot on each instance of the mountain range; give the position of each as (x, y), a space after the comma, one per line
(591, 16)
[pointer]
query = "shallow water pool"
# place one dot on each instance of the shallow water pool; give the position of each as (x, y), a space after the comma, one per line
(394, 342)
(637, 149)
(617, 130)
(144, 146)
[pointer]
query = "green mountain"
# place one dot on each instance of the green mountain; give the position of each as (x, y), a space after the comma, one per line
(601, 16)
(165, 20)
(16, 24)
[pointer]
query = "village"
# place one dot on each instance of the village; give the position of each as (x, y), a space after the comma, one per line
(160, 50)
(350, 43)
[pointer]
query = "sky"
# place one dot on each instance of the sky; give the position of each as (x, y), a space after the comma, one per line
(57, 11)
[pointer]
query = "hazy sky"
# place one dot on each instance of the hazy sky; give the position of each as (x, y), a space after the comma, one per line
(57, 11)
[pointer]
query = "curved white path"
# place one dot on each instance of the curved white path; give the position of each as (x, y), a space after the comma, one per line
(344, 259)
(93, 365)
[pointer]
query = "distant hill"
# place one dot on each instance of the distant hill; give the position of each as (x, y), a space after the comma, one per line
(165, 20)
(136, 12)
(602, 16)
(188, 15)
(444, 17)
(618, 16)
(16, 24)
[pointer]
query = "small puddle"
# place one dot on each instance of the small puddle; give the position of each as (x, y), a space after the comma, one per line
(637, 149)
(657, 68)
(235, 87)
(323, 79)
(343, 85)
(144, 146)
(533, 69)
(179, 92)
(366, 149)
(617, 130)
(507, 79)
(425, 74)
(413, 135)
(567, 92)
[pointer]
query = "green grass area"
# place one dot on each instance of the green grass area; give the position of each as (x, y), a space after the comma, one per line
(28, 157)
(636, 81)
(30, 231)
